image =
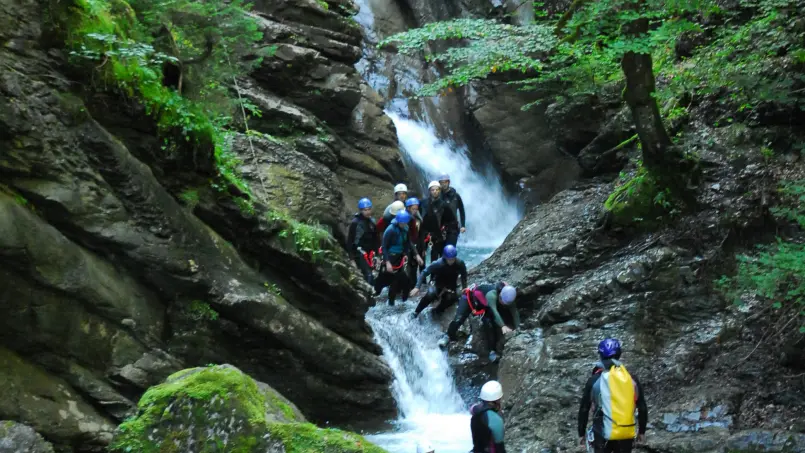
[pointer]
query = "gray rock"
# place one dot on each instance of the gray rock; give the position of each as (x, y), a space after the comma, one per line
(17, 438)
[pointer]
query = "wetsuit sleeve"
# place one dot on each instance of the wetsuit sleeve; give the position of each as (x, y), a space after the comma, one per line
(586, 402)
(387, 241)
(495, 423)
(463, 274)
(425, 273)
(492, 300)
(352, 239)
(515, 314)
(642, 408)
(461, 210)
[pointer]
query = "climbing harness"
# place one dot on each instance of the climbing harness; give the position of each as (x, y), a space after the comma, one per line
(468, 294)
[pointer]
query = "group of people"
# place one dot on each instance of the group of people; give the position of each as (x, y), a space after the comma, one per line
(613, 394)
(396, 245)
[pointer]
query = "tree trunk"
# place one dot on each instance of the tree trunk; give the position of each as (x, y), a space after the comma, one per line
(661, 158)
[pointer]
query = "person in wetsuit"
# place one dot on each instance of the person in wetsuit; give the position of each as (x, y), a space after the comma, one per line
(454, 204)
(609, 351)
(414, 227)
(362, 239)
(486, 423)
(436, 216)
(444, 272)
(396, 249)
(482, 300)
(400, 194)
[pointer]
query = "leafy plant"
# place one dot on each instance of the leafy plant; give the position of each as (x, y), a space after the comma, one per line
(201, 311)
(174, 57)
(776, 272)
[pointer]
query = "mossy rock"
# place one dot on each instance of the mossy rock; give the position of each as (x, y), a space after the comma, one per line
(219, 408)
(633, 203)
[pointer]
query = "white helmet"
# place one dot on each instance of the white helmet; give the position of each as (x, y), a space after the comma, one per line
(396, 207)
(400, 188)
(423, 446)
(507, 294)
(491, 391)
(434, 184)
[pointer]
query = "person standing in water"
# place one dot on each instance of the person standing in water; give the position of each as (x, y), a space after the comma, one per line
(414, 227)
(362, 239)
(486, 423)
(435, 218)
(455, 204)
(396, 248)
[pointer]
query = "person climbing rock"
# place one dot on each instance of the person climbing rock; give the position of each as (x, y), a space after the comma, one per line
(486, 423)
(388, 216)
(435, 218)
(396, 249)
(423, 446)
(400, 194)
(444, 272)
(412, 206)
(454, 204)
(362, 239)
(614, 395)
(482, 301)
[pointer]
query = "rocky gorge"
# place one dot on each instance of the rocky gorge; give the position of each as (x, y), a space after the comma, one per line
(128, 279)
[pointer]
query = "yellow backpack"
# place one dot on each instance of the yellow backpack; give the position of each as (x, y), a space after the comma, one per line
(616, 394)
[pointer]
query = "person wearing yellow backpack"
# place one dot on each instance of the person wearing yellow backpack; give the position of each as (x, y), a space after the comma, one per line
(614, 394)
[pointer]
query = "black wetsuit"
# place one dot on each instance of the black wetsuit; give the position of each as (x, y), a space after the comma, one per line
(362, 235)
(444, 277)
(454, 203)
(436, 217)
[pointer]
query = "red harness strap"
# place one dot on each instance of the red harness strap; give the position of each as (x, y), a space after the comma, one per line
(370, 258)
(468, 295)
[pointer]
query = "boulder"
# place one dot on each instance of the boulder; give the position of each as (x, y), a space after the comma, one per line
(18, 438)
(219, 406)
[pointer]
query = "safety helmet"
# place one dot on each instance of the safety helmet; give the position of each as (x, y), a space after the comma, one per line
(396, 207)
(364, 203)
(411, 202)
(491, 391)
(609, 348)
(423, 446)
(433, 184)
(400, 188)
(449, 251)
(508, 294)
(444, 177)
(403, 216)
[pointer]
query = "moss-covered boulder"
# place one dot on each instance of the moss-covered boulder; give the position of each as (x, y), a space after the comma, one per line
(16, 438)
(219, 408)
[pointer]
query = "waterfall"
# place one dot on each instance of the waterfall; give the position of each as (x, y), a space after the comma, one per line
(424, 386)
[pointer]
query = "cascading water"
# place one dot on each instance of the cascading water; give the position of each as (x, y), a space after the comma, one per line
(424, 387)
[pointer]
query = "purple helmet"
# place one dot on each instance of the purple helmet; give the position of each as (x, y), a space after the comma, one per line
(609, 348)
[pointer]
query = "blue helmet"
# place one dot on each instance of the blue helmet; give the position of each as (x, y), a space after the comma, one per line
(364, 203)
(403, 216)
(412, 202)
(444, 177)
(609, 348)
(449, 251)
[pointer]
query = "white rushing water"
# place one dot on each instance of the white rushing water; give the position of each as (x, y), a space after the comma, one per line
(424, 386)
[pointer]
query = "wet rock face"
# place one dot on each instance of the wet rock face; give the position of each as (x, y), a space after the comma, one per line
(580, 281)
(112, 279)
(203, 409)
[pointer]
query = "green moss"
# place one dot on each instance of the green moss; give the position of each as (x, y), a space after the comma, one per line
(307, 438)
(638, 200)
(194, 388)
(190, 196)
(276, 404)
(313, 241)
(323, 4)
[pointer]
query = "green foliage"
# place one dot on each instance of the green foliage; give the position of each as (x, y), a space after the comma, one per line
(312, 241)
(638, 199)
(127, 44)
(489, 47)
(749, 62)
(201, 311)
(190, 197)
(776, 272)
